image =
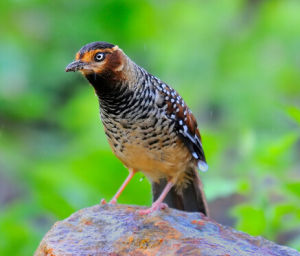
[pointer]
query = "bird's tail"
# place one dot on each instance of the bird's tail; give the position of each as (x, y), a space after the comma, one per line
(190, 199)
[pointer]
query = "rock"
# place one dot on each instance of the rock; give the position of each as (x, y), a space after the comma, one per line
(119, 230)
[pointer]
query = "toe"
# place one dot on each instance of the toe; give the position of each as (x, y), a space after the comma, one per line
(113, 201)
(103, 201)
(145, 212)
(163, 206)
(153, 208)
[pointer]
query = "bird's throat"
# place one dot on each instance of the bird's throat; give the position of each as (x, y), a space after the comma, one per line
(104, 85)
(111, 93)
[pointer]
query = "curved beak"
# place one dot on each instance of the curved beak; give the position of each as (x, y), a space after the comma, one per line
(75, 65)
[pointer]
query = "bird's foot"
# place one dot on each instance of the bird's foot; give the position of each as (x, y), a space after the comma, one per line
(112, 201)
(103, 201)
(153, 208)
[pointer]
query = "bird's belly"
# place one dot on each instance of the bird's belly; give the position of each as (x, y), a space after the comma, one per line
(155, 163)
(157, 153)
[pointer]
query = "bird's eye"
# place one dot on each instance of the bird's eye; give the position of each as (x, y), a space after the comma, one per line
(99, 56)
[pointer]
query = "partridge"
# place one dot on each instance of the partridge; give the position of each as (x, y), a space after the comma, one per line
(148, 126)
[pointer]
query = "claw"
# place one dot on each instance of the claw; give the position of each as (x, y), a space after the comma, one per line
(153, 208)
(158, 204)
(103, 201)
(163, 206)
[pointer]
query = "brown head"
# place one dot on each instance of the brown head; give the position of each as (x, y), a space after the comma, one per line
(99, 58)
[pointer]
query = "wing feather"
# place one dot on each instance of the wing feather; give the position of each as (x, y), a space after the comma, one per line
(186, 124)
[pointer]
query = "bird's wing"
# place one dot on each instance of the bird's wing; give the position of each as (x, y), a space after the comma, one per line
(186, 124)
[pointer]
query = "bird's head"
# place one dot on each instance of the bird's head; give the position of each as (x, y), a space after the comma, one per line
(98, 58)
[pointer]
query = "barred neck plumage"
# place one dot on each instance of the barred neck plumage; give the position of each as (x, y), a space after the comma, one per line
(119, 97)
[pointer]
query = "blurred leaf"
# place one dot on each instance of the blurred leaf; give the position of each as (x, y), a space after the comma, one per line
(294, 187)
(274, 152)
(244, 186)
(294, 113)
(225, 188)
(283, 213)
(250, 219)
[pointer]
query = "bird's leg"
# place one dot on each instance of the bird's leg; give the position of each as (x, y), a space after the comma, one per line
(125, 183)
(158, 204)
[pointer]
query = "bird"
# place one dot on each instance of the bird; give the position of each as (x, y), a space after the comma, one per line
(148, 126)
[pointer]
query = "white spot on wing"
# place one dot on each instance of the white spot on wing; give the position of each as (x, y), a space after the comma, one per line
(195, 155)
(202, 166)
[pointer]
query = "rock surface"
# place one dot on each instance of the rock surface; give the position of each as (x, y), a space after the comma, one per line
(119, 230)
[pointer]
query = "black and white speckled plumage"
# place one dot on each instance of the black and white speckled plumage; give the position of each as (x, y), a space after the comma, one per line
(148, 99)
(147, 123)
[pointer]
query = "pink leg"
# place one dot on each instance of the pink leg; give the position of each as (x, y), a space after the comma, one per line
(125, 183)
(158, 204)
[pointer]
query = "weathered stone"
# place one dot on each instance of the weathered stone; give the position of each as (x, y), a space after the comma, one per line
(119, 230)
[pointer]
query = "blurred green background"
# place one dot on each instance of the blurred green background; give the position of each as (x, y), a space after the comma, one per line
(235, 62)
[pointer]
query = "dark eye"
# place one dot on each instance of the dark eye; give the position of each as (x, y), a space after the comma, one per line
(99, 56)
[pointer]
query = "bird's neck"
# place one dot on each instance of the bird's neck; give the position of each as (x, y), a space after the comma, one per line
(105, 85)
(116, 88)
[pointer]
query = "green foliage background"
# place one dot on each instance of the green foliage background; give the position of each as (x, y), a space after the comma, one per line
(235, 62)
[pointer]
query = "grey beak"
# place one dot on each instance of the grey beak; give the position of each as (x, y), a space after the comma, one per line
(75, 65)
